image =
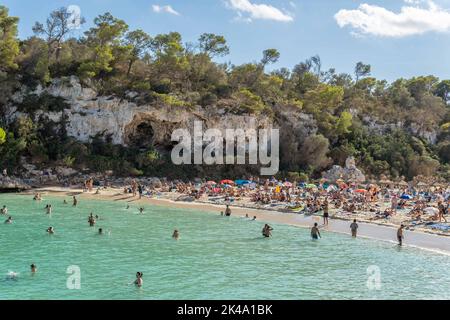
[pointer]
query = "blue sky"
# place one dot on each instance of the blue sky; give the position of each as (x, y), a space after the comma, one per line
(399, 38)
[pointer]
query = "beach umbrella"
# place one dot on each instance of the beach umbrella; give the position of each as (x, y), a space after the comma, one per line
(211, 183)
(242, 182)
(226, 181)
(311, 186)
(287, 184)
(406, 197)
(360, 190)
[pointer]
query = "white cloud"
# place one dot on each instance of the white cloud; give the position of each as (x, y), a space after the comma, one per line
(166, 9)
(254, 11)
(413, 19)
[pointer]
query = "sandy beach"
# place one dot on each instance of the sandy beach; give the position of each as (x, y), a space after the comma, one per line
(424, 239)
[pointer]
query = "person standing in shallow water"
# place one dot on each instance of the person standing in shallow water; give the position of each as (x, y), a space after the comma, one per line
(75, 201)
(176, 235)
(267, 231)
(354, 228)
(33, 268)
(400, 235)
(91, 220)
(228, 211)
(326, 214)
(315, 233)
(139, 282)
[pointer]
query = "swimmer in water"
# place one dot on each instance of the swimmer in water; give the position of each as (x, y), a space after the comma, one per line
(9, 220)
(176, 235)
(64, 202)
(33, 268)
(139, 282)
(91, 220)
(128, 206)
(4, 211)
(75, 201)
(49, 209)
(141, 210)
(100, 231)
(221, 213)
(267, 231)
(51, 230)
(254, 218)
(315, 233)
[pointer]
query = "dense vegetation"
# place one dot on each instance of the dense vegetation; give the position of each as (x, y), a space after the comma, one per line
(115, 60)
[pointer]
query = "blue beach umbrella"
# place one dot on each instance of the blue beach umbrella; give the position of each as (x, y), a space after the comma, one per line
(242, 182)
(406, 197)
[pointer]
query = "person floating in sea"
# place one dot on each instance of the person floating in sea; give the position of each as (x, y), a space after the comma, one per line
(400, 235)
(33, 268)
(4, 211)
(315, 233)
(37, 197)
(176, 235)
(48, 209)
(64, 202)
(50, 230)
(9, 220)
(139, 282)
(267, 231)
(91, 220)
(141, 210)
(228, 211)
(100, 231)
(75, 201)
(254, 218)
(326, 214)
(354, 228)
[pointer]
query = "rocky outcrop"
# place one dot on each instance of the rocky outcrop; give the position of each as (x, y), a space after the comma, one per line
(12, 184)
(129, 123)
(349, 173)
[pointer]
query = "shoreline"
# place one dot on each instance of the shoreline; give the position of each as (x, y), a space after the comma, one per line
(435, 242)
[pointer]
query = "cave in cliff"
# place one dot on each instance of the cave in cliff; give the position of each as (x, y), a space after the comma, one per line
(142, 135)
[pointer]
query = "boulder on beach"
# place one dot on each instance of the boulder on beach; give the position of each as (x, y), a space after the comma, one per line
(349, 173)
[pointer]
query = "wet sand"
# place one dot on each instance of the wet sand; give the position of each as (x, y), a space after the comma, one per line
(428, 241)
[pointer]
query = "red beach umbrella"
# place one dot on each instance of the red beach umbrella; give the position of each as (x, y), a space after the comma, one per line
(226, 182)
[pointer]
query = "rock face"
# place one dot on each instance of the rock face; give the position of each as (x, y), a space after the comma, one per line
(130, 124)
(349, 173)
(12, 184)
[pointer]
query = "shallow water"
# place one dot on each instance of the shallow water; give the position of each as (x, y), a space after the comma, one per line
(215, 258)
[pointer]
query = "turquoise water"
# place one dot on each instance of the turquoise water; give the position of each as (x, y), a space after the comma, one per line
(215, 258)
